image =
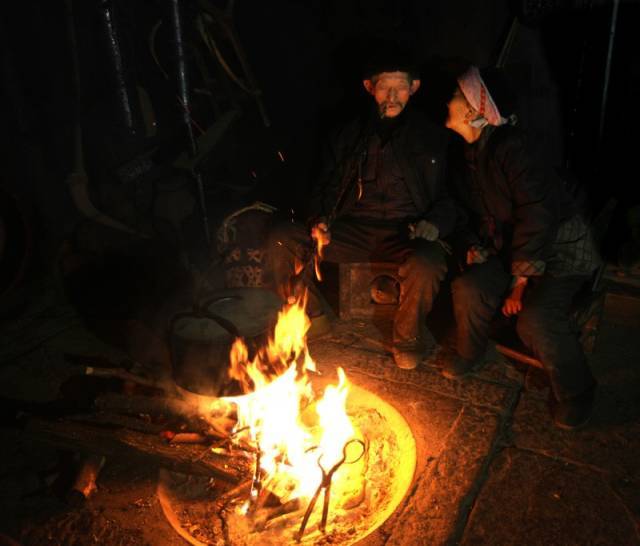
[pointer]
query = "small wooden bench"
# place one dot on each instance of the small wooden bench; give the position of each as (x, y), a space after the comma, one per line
(366, 290)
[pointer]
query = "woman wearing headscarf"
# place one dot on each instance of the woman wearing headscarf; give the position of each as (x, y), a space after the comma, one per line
(526, 249)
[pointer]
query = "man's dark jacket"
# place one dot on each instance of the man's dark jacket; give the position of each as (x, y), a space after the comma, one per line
(419, 148)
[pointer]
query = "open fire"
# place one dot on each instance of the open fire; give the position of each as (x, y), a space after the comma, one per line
(330, 461)
(300, 441)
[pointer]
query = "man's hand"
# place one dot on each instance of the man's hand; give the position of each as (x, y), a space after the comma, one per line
(513, 302)
(423, 230)
(322, 237)
(321, 234)
(477, 255)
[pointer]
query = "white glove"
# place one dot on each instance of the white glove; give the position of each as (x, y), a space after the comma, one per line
(423, 230)
(477, 255)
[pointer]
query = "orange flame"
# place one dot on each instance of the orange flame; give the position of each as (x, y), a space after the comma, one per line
(280, 414)
(321, 238)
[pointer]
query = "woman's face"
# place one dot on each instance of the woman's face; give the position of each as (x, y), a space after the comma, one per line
(459, 109)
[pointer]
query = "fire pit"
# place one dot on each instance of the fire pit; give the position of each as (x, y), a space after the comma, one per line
(363, 494)
(331, 461)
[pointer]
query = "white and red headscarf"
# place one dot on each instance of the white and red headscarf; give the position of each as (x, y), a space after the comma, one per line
(475, 91)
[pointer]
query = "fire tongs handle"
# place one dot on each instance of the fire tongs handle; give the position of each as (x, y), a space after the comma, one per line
(325, 485)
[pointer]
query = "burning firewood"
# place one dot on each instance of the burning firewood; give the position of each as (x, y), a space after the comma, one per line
(125, 375)
(111, 419)
(265, 516)
(188, 438)
(125, 443)
(214, 424)
(85, 483)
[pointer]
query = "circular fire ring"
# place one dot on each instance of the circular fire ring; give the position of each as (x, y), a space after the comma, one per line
(362, 499)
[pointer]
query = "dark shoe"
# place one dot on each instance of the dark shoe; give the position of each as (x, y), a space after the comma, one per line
(409, 353)
(574, 412)
(458, 366)
(407, 359)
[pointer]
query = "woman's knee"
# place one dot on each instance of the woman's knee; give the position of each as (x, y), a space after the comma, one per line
(532, 322)
(471, 288)
(465, 287)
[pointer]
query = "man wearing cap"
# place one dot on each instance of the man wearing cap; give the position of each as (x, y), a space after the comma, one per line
(380, 198)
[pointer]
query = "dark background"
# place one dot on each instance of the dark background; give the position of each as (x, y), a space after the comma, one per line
(305, 56)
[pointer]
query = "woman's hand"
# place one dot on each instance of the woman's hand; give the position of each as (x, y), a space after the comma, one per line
(513, 302)
(477, 255)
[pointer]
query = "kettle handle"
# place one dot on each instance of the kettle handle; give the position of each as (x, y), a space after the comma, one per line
(202, 313)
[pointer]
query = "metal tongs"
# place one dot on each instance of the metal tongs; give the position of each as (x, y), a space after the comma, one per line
(325, 485)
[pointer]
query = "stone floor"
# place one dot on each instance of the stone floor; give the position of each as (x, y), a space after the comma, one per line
(492, 469)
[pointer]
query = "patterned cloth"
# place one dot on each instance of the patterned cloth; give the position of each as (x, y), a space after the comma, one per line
(528, 269)
(241, 240)
(574, 250)
(475, 91)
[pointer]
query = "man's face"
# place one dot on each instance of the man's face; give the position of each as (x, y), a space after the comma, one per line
(391, 91)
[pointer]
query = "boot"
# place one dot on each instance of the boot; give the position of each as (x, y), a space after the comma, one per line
(409, 354)
(457, 367)
(407, 358)
(575, 412)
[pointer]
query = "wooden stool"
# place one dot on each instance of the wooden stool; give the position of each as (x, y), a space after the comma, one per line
(586, 315)
(365, 290)
(362, 290)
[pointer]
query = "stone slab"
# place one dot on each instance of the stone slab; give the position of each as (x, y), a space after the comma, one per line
(443, 495)
(431, 417)
(377, 364)
(610, 444)
(452, 440)
(535, 500)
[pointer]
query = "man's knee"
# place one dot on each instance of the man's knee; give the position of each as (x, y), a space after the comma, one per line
(426, 261)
